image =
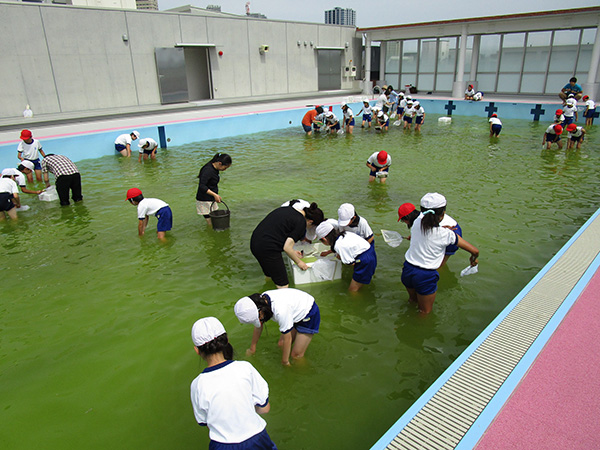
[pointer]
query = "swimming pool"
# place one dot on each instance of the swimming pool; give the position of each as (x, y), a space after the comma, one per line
(95, 338)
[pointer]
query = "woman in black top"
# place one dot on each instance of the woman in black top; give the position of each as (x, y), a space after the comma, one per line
(208, 185)
(278, 232)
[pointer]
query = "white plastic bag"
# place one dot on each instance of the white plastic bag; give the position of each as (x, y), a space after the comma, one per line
(397, 123)
(323, 269)
(469, 271)
(49, 195)
(23, 208)
(391, 238)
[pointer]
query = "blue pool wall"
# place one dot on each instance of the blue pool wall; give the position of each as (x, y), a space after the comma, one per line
(91, 145)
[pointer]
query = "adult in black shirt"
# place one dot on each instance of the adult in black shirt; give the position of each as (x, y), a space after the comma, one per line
(208, 185)
(278, 232)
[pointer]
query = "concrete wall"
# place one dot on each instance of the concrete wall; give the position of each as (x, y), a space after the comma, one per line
(63, 59)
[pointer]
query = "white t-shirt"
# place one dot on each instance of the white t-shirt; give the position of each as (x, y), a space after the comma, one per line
(149, 207)
(289, 306)
(362, 229)
(550, 130)
(495, 121)
(448, 221)
(427, 249)
(124, 139)
(577, 132)
(20, 178)
(366, 109)
(590, 104)
(349, 246)
(419, 111)
(402, 103)
(382, 119)
(409, 112)
(470, 92)
(9, 186)
(381, 100)
(373, 160)
(569, 110)
(559, 119)
(348, 114)
(30, 151)
(223, 398)
(152, 146)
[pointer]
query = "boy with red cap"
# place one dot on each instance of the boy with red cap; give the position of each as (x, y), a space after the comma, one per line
(559, 117)
(30, 150)
(576, 134)
(552, 135)
(379, 163)
(590, 110)
(495, 125)
(151, 206)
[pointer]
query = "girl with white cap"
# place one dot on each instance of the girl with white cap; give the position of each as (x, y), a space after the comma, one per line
(350, 249)
(295, 311)
(425, 255)
(228, 395)
(123, 143)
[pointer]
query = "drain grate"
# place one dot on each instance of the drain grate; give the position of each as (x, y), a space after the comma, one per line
(448, 415)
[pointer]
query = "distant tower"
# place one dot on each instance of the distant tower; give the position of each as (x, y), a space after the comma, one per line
(147, 4)
(216, 8)
(340, 16)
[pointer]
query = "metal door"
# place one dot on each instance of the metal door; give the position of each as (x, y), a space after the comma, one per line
(330, 69)
(172, 80)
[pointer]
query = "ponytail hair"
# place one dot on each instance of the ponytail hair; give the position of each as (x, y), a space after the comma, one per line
(263, 304)
(220, 344)
(431, 218)
(314, 213)
(223, 158)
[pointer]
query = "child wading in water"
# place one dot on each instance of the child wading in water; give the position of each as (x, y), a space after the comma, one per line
(151, 206)
(228, 395)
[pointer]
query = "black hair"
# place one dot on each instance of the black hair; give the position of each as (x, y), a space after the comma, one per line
(319, 110)
(20, 167)
(354, 221)
(138, 199)
(574, 80)
(333, 236)
(410, 217)
(263, 304)
(223, 158)
(431, 221)
(314, 213)
(220, 344)
(49, 154)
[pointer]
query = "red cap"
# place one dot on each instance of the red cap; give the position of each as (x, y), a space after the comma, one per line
(26, 134)
(558, 129)
(559, 112)
(494, 115)
(585, 97)
(382, 157)
(404, 210)
(571, 127)
(133, 192)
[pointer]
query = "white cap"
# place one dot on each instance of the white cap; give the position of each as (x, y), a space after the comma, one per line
(299, 205)
(345, 214)
(343, 104)
(10, 172)
(324, 229)
(205, 330)
(142, 142)
(433, 200)
(27, 164)
(416, 103)
(379, 114)
(247, 312)
(136, 134)
(408, 97)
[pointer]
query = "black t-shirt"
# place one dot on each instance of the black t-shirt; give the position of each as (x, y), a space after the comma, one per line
(273, 231)
(208, 179)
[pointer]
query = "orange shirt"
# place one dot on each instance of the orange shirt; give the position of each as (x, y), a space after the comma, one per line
(309, 117)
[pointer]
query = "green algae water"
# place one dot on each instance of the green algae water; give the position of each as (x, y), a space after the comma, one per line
(95, 346)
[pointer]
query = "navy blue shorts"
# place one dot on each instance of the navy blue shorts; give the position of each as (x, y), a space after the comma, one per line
(424, 281)
(419, 120)
(568, 120)
(365, 266)
(307, 128)
(373, 173)
(165, 219)
(408, 119)
(552, 137)
(260, 441)
(6, 203)
(36, 163)
(310, 324)
(350, 123)
(577, 138)
(120, 147)
(496, 129)
(400, 111)
(451, 249)
(590, 113)
(336, 126)
(367, 118)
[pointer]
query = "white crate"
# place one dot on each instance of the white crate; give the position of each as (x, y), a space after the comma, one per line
(330, 263)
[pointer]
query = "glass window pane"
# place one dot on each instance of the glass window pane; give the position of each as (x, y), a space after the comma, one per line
(444, 82)
(585, 53)
(392, 56)
(428, 54)
(391, 79)
(556, 81)
(409, 56)
(486, 82)
(425, 83)
(532, 83)
(488, 53)
(446, 55)
(536, 54)
(564, 50)
(469, 55)
(508, 83)
(512, 52)
(407, 78)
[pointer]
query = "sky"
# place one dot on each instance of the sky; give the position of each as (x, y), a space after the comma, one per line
(383, 12)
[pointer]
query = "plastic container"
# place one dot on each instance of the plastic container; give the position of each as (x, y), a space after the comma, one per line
(49, 195)
(320, 268)
(220, 217)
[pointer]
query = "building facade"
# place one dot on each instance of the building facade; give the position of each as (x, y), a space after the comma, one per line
(340, 16)
(534, 53)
